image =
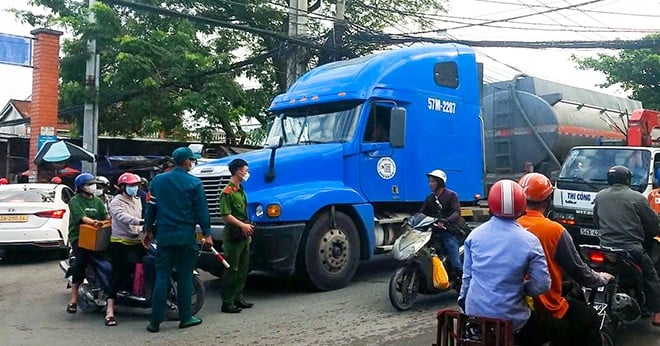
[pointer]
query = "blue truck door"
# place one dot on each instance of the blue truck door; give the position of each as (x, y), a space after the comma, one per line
(381, 166)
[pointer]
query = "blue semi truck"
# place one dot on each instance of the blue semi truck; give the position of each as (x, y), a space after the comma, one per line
(347, 154)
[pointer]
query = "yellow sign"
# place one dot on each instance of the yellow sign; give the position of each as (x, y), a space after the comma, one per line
(13, 218)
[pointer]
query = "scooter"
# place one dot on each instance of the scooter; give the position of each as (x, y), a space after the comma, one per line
(416, 248)
(92, 292)
(622, 299)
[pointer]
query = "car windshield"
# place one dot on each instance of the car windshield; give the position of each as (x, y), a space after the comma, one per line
(325, 123)
(27, 196)
(591, 165)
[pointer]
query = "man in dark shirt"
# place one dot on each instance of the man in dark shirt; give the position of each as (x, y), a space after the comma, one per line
(443, 204)
(627, 222)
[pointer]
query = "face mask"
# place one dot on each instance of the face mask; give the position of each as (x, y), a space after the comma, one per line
(132, 190)
(90, 189)
(246, 176)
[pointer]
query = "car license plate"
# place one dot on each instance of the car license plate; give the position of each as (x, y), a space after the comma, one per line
(13, 218)
(589, 231)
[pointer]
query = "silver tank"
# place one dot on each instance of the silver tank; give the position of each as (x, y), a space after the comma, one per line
(562, 116)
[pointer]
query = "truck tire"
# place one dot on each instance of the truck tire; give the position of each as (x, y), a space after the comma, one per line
(328, 257)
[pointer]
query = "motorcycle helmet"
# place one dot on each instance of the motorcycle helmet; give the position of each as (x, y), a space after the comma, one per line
(4, 181)
(56, 180)
(536, 186)
(506, 199)
(619, 175)
(103, 181)
(439, 174)
(84, 179)
(128, 179)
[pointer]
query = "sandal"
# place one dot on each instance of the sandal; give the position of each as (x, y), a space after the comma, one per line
(110, 321)
(72, 308)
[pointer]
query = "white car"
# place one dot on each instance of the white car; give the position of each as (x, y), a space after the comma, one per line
(34, 215)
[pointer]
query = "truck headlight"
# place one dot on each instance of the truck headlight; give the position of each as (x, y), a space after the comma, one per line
(259, 211)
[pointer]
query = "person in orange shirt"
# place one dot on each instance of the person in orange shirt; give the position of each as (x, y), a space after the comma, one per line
(654, 196)
(581, 321)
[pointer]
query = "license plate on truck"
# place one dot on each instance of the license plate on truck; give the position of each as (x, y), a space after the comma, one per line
(589, 231)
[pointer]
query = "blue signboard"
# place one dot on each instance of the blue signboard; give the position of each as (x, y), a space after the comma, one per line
(15, 50)
(41, 139)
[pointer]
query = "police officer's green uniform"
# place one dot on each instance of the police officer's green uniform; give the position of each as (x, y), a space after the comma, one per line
(233, 201)
(177, 204)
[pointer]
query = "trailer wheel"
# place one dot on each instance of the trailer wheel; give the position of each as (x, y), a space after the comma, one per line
(330, 255)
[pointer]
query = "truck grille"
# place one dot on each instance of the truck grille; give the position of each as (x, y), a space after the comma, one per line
(212, 187)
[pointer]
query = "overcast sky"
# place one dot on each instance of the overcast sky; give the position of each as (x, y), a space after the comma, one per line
(581, 23)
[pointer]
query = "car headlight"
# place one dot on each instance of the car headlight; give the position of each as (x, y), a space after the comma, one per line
(259, 211)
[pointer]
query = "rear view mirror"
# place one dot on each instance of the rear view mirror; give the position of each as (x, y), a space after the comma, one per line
(397, 127)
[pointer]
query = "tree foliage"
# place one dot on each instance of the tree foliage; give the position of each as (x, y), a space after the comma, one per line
(636, 70)
(157, 69)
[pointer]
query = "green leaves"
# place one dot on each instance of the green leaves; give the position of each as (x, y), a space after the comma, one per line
(157, 70)
(637, 70)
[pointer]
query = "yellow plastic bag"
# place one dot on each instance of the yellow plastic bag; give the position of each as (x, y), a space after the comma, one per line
(530, 302)
(440, 278)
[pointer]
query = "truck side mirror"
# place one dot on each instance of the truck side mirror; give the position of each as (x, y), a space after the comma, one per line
(397, 127)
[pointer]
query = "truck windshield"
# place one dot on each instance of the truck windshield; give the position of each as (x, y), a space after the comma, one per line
(325, 123)
(591, 165)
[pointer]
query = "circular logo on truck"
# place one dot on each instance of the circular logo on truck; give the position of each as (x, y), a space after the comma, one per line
(386, 168)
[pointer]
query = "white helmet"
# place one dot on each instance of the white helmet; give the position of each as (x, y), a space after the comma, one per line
(438, 174)
(103, 180)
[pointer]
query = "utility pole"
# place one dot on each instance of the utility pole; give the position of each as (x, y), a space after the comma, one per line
(296, 65)
(91, 110)
(339, 29)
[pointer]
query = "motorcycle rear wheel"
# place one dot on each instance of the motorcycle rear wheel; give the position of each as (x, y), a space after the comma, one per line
(608, 336)
(198, 297)
(402, 295)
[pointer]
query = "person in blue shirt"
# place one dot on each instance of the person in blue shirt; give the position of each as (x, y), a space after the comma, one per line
(177, 204)
(503, 263)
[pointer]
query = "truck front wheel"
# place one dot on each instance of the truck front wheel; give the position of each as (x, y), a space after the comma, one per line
(330, 255)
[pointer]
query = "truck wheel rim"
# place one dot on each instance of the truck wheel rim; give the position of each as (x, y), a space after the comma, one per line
(334, 250)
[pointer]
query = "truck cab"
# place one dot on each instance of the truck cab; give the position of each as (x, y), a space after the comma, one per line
(584, 173)
(347, 155)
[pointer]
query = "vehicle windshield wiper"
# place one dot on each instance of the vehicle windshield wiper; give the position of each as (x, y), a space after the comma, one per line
(589, 182)
(574, 179)
(310, 141)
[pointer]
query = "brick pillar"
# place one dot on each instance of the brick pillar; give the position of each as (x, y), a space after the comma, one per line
(45, 93)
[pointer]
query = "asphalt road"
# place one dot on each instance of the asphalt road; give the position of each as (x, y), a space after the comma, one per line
(33, 297)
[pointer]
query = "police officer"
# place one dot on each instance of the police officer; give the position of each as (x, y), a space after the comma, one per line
(177, 205)
(235, 238)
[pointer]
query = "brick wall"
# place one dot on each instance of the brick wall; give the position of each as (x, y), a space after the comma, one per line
(45, 92)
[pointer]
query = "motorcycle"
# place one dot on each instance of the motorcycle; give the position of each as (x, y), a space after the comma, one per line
(622, 299)
(417, 247)
(92, 292)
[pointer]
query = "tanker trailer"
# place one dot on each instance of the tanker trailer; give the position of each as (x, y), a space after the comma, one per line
(531, 123)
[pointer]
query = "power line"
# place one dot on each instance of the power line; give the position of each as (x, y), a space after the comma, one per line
(529, 25)
(603, 44)
(216, 22)
(319, 16)
(574, 9)
(555, 9)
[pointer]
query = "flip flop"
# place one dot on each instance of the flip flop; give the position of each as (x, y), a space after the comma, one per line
(110, 321)
(72, 308)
